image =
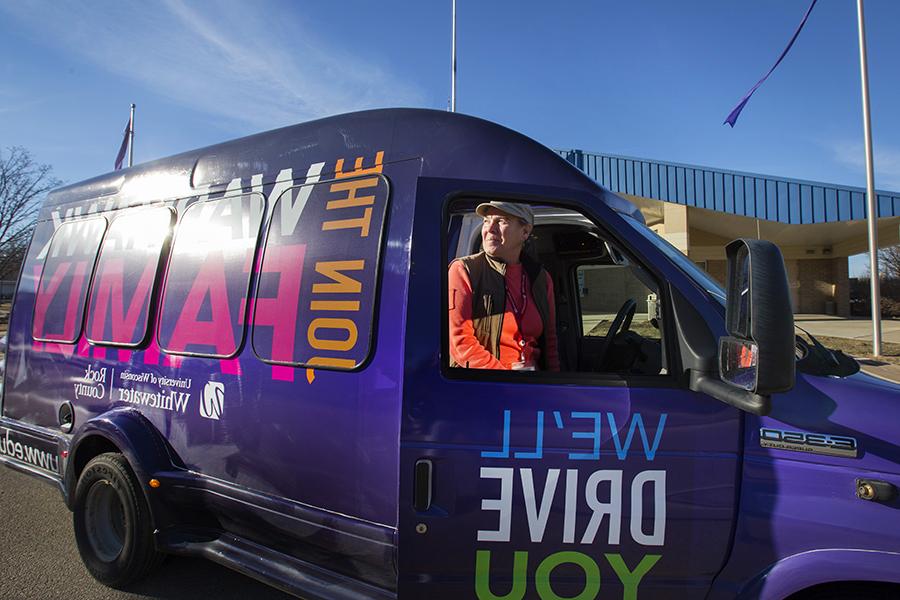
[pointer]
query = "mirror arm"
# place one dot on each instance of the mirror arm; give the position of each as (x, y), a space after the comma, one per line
(711, 385)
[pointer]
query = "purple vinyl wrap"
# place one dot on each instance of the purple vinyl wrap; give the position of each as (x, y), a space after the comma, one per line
(800, 522)
(293, 374)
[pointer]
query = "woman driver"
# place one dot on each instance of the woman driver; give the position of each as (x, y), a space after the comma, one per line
(502, 313)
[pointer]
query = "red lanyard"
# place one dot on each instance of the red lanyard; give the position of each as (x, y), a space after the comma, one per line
(518, 313)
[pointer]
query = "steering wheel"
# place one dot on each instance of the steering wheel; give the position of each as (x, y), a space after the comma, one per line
(621, 323)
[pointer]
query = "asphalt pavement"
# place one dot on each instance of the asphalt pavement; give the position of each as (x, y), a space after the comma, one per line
(39, 560)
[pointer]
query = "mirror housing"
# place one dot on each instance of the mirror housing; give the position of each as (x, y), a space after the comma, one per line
(756, 358)
(759, 354)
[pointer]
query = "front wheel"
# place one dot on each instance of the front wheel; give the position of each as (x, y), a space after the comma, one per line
(112, 522)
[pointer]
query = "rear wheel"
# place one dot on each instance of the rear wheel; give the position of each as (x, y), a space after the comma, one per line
(113, 528)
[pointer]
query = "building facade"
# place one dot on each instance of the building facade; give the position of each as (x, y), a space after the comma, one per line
(818, 226)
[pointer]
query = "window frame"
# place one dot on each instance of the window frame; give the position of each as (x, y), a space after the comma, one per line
(376, 292)
(239, 345)
(156, 286)
(668, 346)
(88, 280)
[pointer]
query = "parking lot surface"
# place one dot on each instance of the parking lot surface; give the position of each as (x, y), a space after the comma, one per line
(39, 560)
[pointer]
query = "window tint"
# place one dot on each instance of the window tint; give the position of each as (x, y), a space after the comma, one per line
(317, 282)
(208, 277)
(126, 276)
(65, 278)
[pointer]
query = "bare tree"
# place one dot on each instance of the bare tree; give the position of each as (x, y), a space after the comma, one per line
(23, 183)
(889, 262)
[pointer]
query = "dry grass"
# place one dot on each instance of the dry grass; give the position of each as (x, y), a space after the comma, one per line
(640, 327)
(862, 348)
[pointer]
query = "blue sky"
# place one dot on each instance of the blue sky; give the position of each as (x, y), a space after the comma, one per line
(647, 78)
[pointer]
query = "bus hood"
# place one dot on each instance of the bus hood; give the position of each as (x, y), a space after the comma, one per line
(860, 406)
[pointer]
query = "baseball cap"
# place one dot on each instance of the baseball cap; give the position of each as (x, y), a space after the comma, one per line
(522, 211)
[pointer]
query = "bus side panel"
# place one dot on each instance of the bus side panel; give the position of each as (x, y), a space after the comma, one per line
(29, 375)
(328, 439)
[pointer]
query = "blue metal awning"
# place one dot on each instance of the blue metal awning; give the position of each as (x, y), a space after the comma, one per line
(747, 194)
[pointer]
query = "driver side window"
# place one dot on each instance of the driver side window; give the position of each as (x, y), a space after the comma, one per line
(605, 305)
(604, 289)
(620, 300)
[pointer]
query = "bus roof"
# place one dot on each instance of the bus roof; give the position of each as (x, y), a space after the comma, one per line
(450, 145)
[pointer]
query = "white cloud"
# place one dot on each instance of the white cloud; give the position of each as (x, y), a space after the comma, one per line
(238, 60)
(887, 162)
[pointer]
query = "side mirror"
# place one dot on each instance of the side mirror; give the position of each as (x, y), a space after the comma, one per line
(758, 356)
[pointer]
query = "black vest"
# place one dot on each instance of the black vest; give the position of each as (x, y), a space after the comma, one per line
(488, 279)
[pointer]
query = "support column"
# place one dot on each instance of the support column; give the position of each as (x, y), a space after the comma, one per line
(675, 226)
(822, 282)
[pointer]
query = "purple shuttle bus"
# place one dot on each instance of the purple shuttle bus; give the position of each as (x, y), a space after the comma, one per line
(243, 353)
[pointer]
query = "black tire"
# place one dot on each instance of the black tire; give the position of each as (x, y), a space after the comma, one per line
(113, 528)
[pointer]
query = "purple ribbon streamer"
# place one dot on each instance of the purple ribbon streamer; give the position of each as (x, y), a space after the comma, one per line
(732, 117)
(120, 157)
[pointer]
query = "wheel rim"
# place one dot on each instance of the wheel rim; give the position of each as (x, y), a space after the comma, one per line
(105, 521)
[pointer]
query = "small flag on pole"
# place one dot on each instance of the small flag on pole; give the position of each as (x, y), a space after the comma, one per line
(736, 111)
(120, 157)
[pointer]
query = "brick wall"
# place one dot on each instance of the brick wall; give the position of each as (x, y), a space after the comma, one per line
(814, 282)
(608, 287)
(824, 280)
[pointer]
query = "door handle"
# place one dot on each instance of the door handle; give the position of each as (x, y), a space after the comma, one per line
(423, 484)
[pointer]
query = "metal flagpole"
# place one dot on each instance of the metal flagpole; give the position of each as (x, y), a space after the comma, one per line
(870, 187)
(453, 64)
(131, 138)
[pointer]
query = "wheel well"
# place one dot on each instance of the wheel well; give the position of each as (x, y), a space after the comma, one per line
(845, 590)
(88, 449)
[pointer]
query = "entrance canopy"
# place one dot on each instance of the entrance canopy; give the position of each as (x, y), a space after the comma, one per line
(699, 210)
(807, 219)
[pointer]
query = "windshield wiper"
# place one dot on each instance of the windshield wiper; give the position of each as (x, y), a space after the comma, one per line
(821, 360)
